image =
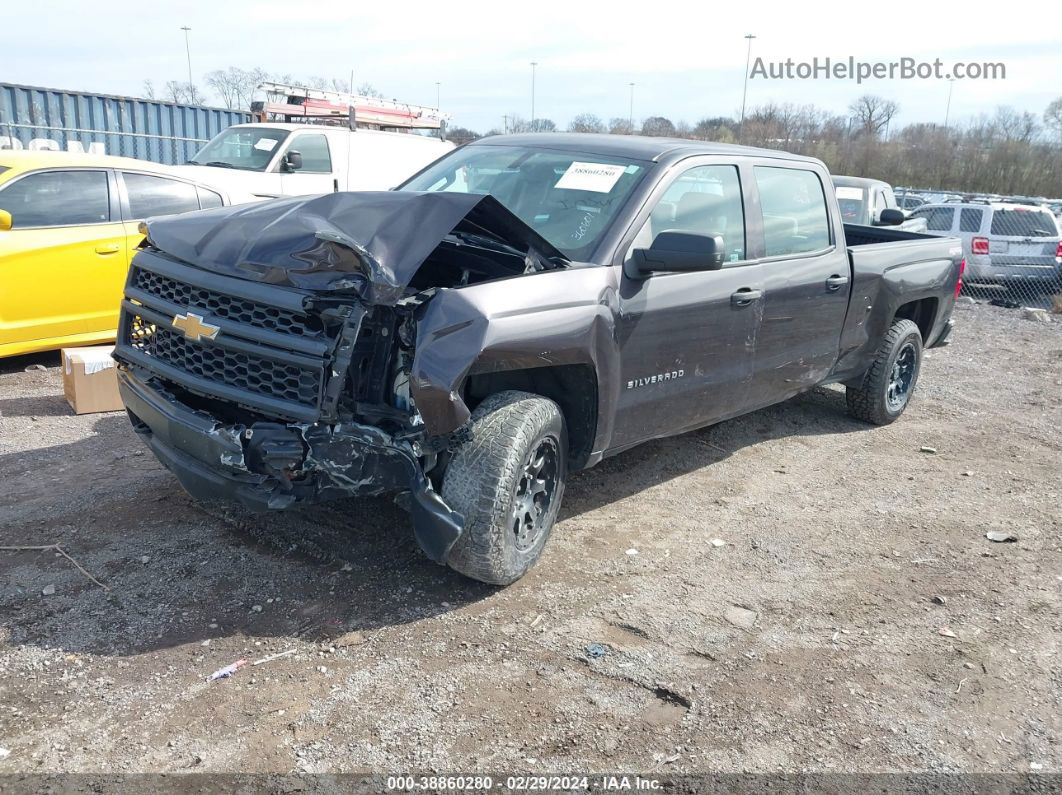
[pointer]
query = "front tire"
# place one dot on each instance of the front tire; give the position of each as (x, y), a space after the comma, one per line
(889, 383)
(508, 482)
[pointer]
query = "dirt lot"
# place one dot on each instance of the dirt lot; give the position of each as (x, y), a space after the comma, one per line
(811, 640)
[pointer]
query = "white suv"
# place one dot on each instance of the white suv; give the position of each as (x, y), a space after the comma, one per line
(1006, 244)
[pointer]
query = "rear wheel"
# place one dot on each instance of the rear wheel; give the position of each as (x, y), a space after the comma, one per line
(507, 482)
(889, 383)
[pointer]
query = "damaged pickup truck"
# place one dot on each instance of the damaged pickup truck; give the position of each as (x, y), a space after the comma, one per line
(518, 310)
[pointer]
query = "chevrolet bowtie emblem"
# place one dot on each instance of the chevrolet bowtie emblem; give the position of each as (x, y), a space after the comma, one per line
(194, 328)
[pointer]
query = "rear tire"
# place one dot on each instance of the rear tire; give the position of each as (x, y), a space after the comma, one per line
(508, 482)
(889, 383)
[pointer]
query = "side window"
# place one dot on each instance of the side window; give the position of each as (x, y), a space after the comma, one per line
(58, 198)
(150, 195)
(314, 151)
(794, 210)
(705, 200)
(939, 219)
(970, 220)
(209, 199)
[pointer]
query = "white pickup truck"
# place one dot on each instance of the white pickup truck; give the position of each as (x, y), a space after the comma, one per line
(273, 159)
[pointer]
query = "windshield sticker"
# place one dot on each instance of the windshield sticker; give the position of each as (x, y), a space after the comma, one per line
(265, 144)
(850, 193)
(596, 177)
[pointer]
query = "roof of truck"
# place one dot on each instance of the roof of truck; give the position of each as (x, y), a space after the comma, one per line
(636, 147)
(858, 182)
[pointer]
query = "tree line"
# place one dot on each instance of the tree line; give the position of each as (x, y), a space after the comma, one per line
(1007, 151)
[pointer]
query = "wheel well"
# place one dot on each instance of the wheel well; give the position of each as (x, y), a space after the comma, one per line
(573, 387)
(923, 312)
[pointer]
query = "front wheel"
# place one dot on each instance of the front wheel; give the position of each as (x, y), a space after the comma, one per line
(507, 482)
(889, 383)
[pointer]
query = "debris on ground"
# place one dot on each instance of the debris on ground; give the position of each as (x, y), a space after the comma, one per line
(718, 542)
(58, 550)
(632, 551)
(927, 449)
(227, 671)
(145, 559)
(1001, 536)
(34, 367)
(1037, 315)
(596, 650)
(741, 616)
(350, 639)
(1004, 303)
(5, 753)
(939, 600)
(48, 590)
(947, 633)
(272, 657)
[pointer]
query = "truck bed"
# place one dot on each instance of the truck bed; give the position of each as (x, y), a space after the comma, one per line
(895, 273)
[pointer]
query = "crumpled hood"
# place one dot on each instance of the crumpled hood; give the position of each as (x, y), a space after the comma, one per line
(370, 243)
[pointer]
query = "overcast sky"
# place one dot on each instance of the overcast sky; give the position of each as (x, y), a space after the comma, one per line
(686, 59)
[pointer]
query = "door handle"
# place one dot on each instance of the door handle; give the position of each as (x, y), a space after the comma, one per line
(112, 249)
(745, 296)
(836, 282)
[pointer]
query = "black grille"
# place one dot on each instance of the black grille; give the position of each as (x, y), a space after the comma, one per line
(236, 369)
(225, 306)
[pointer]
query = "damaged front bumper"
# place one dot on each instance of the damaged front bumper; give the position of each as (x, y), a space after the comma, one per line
(272, 465)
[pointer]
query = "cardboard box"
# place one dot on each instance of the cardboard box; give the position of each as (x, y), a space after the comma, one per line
(90, 380)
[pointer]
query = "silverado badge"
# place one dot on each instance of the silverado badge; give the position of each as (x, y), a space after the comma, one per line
(194, 328)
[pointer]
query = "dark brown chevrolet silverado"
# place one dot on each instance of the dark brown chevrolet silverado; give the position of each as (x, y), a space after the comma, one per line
(521, 308)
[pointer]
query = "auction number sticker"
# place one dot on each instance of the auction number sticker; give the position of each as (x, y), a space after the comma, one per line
(596, 177)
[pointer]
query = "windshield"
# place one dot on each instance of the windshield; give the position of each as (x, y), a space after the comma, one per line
(570, 198)
(853, 204)
(248, 148)
(1023, 223)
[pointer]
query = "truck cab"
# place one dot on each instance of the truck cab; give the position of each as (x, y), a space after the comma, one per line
(272, 159)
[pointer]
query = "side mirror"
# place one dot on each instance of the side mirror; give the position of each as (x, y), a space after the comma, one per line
(5, 220)
(890, 216)
(292, 161)
(678, 251)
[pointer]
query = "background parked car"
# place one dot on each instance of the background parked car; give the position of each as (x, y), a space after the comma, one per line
(863, 200)
(68, 228)
(1005, 244)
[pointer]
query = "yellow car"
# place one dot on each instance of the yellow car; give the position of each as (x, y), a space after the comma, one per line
(68, 229)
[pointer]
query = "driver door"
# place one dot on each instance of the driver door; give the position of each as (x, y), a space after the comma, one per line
(316, 174)
(687, 339)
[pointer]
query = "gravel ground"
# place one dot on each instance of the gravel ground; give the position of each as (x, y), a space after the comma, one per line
(855, 618)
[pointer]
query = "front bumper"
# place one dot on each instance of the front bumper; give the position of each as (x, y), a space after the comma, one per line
(270, 466)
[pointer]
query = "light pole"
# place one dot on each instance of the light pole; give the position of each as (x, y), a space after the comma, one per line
(630, 120)
(188, 54)
(745, 90)
(533, 65)
(947, 110)
(437, 85)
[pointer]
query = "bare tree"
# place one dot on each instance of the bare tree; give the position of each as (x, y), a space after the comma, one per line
(658, 125)
(620, 126)
(873, 113)
(1053, 117)
(586, 123)
(369, 90)
(184, 93)
(462, 135)
(149, 89)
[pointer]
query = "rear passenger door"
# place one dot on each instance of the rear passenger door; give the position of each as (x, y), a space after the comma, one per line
(686, 339)
(807, 279)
